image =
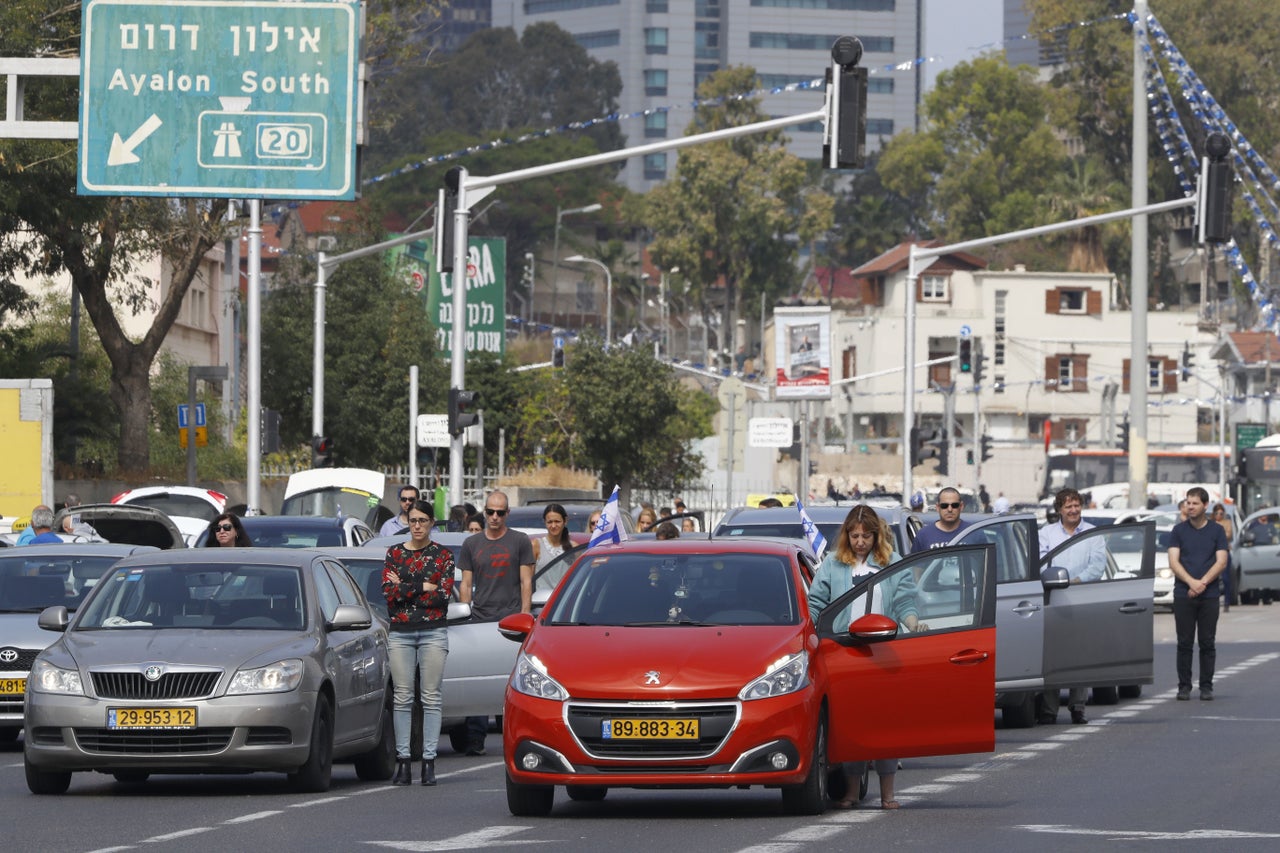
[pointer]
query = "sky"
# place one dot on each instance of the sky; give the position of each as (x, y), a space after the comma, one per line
(957, 31)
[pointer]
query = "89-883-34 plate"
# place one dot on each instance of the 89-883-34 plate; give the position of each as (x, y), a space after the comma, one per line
(151, 718)
(626, 728)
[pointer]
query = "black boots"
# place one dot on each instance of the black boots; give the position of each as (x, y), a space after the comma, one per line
(428, 771)
(404, 772)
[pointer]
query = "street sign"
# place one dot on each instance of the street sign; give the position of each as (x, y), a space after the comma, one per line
(1248, 435)
(202, 430)
(770, 432)
(966, 331)
(227, 98)
(433, 431)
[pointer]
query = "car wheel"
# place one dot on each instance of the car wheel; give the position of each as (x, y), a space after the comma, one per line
(1130, 691)
(46, 781)
(1021, 715)
(458, 738)
(810, 796)
(1105, 695)
(379, 763)
(1247, 597)
(529, 800)
(131, 777)
(313, 777)
(586, 793)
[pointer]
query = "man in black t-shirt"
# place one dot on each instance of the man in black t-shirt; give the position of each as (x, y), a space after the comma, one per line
(1198, 556)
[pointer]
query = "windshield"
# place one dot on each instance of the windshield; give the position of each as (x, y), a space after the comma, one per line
(29, 584)
(671, 588)
(197, 596)
(793, 530)
(332, 503)
(188, 506)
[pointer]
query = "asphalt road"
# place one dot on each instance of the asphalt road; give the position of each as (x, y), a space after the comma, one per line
(1194, 775)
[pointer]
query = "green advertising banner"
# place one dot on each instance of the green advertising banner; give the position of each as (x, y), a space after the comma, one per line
(486, 291)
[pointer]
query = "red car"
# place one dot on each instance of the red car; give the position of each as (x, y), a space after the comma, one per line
(695, 663)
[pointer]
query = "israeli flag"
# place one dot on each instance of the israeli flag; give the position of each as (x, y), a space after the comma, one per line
(609, 528)
(817, 541)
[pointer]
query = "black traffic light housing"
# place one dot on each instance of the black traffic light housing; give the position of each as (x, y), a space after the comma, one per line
(844, 141)
(929, 445)
(322, 452)
(986, 447)
(462, 410)
(1188, 362)
(446, 208)
(1213, 208)
(1122, 435)
(966, 355)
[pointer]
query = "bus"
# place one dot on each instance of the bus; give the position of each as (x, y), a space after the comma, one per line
(1259, 473)
(1103, 470)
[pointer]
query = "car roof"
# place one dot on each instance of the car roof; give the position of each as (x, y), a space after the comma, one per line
(295, 522)
(824, 513)
(735, 545)
(297, 557)
(447, 538)
(214, 497)
(80, 549)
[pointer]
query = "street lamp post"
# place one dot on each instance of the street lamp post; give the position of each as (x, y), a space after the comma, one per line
(555, 256)
(608, 294)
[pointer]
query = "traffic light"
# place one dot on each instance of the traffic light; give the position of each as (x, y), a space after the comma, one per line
(844, 140)
(1213, 207)
(966, 355)
(446, 207)
(322, 452)
(1188, 362)
(986, 447)
(462, 410)
(527, 273)
(1123, 435)
(929, 445)
(979, 364)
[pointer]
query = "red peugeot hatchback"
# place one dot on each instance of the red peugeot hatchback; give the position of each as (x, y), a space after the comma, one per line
(694, 663)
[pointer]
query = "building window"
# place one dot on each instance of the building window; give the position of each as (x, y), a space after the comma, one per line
(703, 70)
(655, 125)
(940, 374)
(655, 81)
(655, 39)
(1162, 375)
(880, 85)
(1073, 300)
(542, 7)
(605, 38)
(655, 166)
(706, 40)
(1067, 372)
(654, 7)
(831, 5)
(879, 127)
(849, 362)
(935, 288)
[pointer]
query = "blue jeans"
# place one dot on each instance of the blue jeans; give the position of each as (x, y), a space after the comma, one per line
(1196, 619)
(423, 651)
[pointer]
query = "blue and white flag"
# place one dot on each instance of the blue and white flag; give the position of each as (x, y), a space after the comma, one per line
(609, 528)
(817, 541)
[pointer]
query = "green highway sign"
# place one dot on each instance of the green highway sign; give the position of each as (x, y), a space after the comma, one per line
(227, 98)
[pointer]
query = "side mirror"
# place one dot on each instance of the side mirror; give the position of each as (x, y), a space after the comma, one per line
(349, 617)
(1055, 577)
(516, 626)
(1246, 539)
(53, 618)
(872, 627)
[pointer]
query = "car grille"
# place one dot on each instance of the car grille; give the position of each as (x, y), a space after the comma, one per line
(11, 706)
(115, 742)
(22, 663)
(171, 685)
(715, 721)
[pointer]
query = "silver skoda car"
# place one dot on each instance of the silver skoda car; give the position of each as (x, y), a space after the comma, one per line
(224, 660)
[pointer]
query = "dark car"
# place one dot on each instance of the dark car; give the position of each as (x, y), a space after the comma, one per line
(529, 517)
(784, 522)
(300, 531)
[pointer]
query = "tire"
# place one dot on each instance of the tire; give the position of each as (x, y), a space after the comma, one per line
(131, 777)
(9, 735)
(586, 793)
(458, 738)
(810, 796)
(1106, 695)
(529, 800)
(1248, 597)
(46, 781)
(1022, 715)
(313, 777)
(379, 763)
(1130, 691)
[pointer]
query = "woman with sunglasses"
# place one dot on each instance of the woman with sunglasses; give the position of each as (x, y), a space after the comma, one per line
(946, 527)
(417, 580)
(226, 531)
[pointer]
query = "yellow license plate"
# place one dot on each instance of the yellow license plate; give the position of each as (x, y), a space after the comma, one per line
(13, 686)
(151, 718)
(628, 728)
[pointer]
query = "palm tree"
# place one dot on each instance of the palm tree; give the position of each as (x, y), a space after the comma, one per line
(1083, 190)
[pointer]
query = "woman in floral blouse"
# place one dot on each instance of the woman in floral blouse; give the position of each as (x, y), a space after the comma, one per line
(417, 580)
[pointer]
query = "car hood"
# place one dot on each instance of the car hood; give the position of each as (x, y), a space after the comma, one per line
(128, 524)
(222, 649)
(611, 662)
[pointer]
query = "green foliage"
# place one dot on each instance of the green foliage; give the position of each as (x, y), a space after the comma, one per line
(219, 459)
(869, 219)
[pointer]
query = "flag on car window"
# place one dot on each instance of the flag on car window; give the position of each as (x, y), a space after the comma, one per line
(817, 541)
(609, 528)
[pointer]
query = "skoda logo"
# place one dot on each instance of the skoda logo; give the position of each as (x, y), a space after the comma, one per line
(153, 672)
(8, 655)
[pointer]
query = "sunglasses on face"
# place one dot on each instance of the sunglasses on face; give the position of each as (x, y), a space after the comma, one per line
(955, 505)
(225, 528)
(407, 500)
(497, 512)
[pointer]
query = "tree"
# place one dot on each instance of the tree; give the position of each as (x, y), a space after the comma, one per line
(869, 219)
(1080, 191)
(735, 212)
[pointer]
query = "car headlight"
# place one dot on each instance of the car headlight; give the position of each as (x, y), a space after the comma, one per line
(1165, 573)
(280, 677)
(47, 678)
(530, 678)
(786, 675)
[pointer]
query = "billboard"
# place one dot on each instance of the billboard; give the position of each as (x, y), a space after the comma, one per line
(486, 317)
(802, 353)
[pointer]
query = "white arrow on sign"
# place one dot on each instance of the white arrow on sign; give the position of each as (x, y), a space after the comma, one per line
(122, 150)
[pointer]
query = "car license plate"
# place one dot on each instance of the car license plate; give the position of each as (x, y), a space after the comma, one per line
(151, 718)
(630, 728)
(13, 686)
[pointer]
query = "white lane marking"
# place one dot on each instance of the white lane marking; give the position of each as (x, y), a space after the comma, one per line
(1042, 747)
(1067, 737)
(251, 817)
(1141, 835)
(1127, 712)
(320, 802)
(181, 833)
(926, 788)
(112, 849)
(956, 778)
(1270, 720)
(856, 815)
(814, 832)
(492, 836)
(770, 848)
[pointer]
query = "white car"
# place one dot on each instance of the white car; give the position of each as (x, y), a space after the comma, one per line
(191, 508)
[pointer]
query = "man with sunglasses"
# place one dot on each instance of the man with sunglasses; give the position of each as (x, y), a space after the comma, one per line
(497, 580)
(946, 527)
(400, 523)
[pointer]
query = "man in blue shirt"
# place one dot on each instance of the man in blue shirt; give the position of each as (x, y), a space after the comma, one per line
(946, 527)
(1198, 556)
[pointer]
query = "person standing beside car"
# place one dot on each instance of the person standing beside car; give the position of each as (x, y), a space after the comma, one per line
(547, 548)
(400, 523)
(417, 580)
(1197, 555)
(497, 580)
(226, 531)
(943, 530)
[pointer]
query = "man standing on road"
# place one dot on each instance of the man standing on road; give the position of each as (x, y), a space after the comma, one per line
(1083, 565)
(1198, 556)
(400, 523)
(497, 580)
(943, 530)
